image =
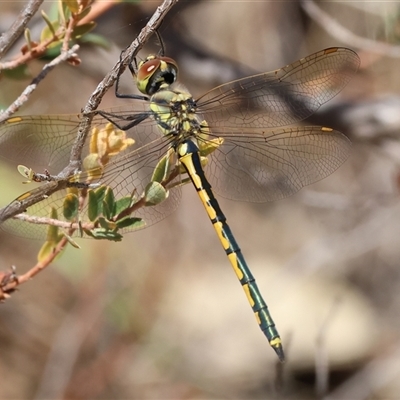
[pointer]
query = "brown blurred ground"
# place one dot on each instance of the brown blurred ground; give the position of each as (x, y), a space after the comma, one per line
(161, 315)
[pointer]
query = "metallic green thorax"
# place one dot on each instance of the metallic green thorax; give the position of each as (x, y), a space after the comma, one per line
(174, 112)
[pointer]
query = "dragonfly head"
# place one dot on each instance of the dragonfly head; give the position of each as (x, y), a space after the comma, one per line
(155, 73)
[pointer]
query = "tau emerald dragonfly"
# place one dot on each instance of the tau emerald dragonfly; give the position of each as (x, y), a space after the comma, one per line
(236, 138)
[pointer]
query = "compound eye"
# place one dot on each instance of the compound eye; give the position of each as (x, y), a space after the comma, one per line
(147, 69)
(156, 73)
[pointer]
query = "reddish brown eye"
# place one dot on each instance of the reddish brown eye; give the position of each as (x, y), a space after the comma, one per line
(156, 72)
(170, 62)
(148, 68)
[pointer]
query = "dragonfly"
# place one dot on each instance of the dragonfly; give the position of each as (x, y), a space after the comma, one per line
(237, 140)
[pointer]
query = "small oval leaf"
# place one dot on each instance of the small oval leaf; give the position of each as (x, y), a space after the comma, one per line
(52, 230)
(93, 206)
(155, 193)
(70, 206)
(81, 30)
(109, 204)
(46, 250)
(130, 222)
(73, 5)
(122, 204)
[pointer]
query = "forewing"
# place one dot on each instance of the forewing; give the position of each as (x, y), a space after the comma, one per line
(280, 97)
(44, 142)
(40, 141)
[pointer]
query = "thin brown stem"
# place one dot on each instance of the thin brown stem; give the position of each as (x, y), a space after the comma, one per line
(9, 286)
(8, 38)
(36, 52)
(110, 79)
(9, 282)
(32, 219)
(49, 188)
(24, 96)
(68, 33)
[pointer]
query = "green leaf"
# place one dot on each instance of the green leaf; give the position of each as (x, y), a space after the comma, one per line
(63, 12)
(96, 39)
(155, 193)
(163, 167)
(99, 233)
(81, 30)
(70, 206)
(49, 31)
(159, 170)
(46, 250)
(26, 173)
(97, 196)
(88, 232)
(71, 241)
(83, 14)
(52, 51)
(95, 202)
(109, 204)
(72, 5)
(100, 192)
(122, 204)
(130, 222)
(105, 224)
(52, 231)
(93, 206)
(28, 39)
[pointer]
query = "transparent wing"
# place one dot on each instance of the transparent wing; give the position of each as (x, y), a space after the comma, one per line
(254, 162)
(270, 165)
(44, 142)
(280, 97)
(40, 141)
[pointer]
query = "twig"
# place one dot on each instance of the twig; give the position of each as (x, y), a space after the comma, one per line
(8, 38)
(19, 205)
(33, 219)
(40, 48)
(346, 36)
(74, 20)
(8, 287)
(29, 55)
(37, 195)
(6, 278)
(24, 96)
(108, 81)
(68, 33)
(34, 50)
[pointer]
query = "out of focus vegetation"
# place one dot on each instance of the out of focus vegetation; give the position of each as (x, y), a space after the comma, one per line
(160, 315)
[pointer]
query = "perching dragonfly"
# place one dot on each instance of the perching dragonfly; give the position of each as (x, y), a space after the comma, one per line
(234, 138)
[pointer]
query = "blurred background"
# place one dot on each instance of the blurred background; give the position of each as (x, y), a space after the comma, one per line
(161, 315)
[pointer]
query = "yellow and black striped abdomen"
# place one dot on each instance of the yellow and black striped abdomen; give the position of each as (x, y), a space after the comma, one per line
(188, 153)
